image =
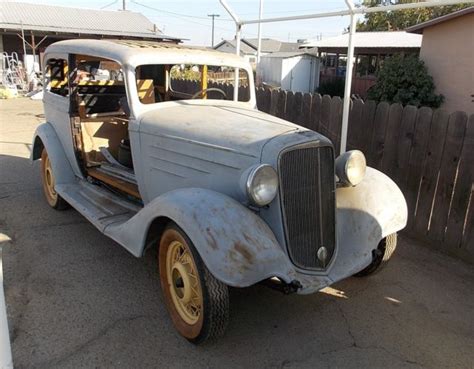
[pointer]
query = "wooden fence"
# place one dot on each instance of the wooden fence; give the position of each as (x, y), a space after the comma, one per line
(429, 154)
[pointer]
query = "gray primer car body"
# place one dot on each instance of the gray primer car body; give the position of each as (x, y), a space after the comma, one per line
(191, 159)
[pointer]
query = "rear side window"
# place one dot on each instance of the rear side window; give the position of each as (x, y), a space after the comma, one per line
(57, 77)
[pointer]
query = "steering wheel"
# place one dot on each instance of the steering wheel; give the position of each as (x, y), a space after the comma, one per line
(203, 91)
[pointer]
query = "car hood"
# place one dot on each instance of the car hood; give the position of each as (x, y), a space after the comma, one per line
(238, 129)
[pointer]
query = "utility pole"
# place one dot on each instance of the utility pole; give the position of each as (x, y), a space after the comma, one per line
(124, 5)
(212, 16)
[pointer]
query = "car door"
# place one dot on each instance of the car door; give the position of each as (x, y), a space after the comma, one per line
(56, 103)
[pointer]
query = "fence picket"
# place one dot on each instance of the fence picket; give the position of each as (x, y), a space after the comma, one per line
(355, 132)
(281, 105)
(375, 152)
(368, 120)
(405, 143)
(298, 108)
(306, 111)
(325, 116)
(447, 173)
(290, 107)
(316, 105)
(417, 160)
(462, 192)
(275, 94)
(335, 123)
(429, 179)
(261, 101)
(389, 160)
(267, 94)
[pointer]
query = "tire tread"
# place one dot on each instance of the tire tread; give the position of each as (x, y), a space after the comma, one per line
(388, 246)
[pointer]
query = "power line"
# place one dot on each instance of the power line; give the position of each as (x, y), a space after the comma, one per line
(176, 14)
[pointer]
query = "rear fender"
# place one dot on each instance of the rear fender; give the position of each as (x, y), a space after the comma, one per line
(235, 244)
(46, 137)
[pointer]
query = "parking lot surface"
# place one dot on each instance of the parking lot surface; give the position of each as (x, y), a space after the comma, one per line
(76, 299)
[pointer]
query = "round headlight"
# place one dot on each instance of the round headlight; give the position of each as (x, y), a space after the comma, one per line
(350, 167)
(262, 185)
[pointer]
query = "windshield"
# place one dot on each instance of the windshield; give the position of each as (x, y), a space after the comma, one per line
(166, 82)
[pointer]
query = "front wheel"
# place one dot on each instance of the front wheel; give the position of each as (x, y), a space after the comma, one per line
(197, 302)
(381, 255)
(47, 177)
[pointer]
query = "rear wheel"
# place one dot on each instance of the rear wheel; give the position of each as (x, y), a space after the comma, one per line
(197, 302)
(381, 255)
(47, 177)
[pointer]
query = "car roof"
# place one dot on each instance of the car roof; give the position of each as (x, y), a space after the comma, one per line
(135, 52)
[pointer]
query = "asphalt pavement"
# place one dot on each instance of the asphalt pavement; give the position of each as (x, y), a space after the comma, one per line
(76, 299)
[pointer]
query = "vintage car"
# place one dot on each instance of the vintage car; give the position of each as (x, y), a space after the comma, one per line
(148, 143)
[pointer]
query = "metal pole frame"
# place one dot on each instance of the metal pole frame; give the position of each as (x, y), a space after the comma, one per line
(236, 70)
(352, 11)
(5, 346)
(348, 84)
(238, 29)
(259, 36)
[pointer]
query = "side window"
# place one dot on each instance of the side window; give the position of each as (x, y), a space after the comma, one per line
(99, 87)
(57, 77)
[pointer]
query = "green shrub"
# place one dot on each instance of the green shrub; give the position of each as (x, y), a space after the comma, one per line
(332, 88)
(405, 80)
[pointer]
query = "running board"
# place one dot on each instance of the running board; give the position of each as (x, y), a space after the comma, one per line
(101, 207)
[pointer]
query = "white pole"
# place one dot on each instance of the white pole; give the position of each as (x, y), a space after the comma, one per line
(5, 350)
(231, 12)
(237, 71)
(360, 10)
(259, 43)
(238, 27)
(347, 88)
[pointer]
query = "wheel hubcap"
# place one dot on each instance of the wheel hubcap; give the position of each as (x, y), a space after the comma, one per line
(184, 283)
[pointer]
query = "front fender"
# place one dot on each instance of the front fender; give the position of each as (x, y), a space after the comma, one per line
(235, 244)
(45, 136)
(365, 215)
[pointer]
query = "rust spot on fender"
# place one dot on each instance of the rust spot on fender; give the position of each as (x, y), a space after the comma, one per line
(211, 239)
(246, 253)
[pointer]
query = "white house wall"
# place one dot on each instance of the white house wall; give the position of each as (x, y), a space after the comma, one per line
(286, 72)
(270, 71)
(300, 73)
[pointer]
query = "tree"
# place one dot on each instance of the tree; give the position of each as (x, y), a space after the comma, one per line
(401, 19)
(405, 80)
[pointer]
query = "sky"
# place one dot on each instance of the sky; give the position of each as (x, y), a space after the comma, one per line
(189, 19)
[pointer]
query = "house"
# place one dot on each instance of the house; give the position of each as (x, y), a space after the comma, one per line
(370, 48)
(248, 47)
(448, 52)
(296, 71)
(43, 25)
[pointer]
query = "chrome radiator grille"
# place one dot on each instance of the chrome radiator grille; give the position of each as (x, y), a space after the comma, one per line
(308, 204)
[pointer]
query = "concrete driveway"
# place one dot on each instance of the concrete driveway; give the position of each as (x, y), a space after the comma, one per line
(76, 299)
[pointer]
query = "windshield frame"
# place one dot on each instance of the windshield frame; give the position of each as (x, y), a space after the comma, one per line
(158, 83)
(139, 108)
